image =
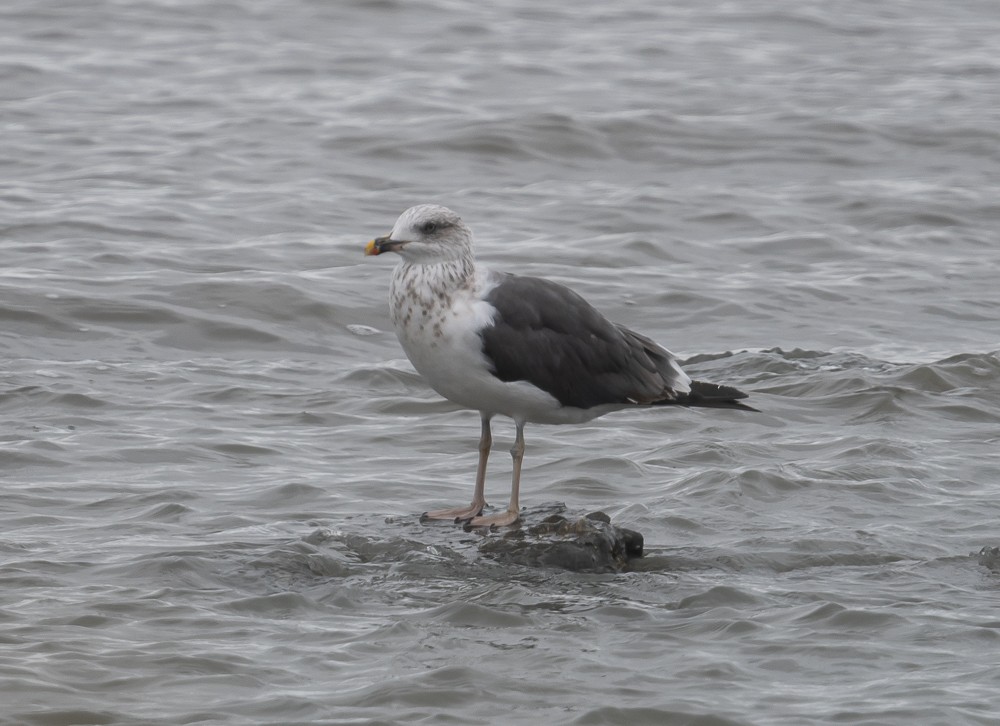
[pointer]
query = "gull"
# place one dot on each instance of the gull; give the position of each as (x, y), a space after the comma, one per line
(523, 347)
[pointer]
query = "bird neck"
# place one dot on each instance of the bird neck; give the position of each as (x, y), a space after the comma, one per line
(436, 278)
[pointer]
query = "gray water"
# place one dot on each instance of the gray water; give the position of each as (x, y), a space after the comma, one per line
(214, 454)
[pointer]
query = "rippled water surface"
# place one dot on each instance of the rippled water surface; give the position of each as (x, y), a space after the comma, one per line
(213, 453)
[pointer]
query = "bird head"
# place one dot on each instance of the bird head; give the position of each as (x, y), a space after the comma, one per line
(426, 233)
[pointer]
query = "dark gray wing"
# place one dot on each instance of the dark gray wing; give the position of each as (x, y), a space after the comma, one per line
(547, 335)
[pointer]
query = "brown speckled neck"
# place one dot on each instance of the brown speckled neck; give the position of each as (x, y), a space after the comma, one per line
(418, 289)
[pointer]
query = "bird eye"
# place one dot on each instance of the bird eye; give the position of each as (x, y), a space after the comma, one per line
(429, 227)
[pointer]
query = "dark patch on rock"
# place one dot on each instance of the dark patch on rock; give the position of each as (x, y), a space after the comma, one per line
(547, 538)
(989, 557)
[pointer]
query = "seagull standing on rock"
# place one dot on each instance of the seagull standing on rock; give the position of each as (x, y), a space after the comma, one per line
(523, 347)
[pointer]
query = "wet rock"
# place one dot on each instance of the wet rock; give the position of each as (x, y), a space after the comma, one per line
(547, 538)
(989, 557)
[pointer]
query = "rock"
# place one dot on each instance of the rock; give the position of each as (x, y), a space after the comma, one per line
(989, 557)
(548, 538)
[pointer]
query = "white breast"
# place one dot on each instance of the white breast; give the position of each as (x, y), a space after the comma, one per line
(438, 314)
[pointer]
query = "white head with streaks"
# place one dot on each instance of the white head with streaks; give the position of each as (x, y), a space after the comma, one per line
(425, 234)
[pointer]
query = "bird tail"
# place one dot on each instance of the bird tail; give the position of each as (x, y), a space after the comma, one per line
(712, 395)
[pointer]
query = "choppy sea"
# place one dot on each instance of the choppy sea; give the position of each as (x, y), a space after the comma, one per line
(213, 453)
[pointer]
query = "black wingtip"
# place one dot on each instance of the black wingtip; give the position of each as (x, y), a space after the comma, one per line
(714, 395)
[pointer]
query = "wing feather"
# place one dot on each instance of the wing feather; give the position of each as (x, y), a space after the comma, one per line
(548, 335)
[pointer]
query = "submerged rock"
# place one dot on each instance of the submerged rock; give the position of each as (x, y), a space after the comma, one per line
(547, 538)
(989, 557)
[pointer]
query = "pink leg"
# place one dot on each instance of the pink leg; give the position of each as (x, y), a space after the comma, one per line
(462, 514)
(513, 512)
